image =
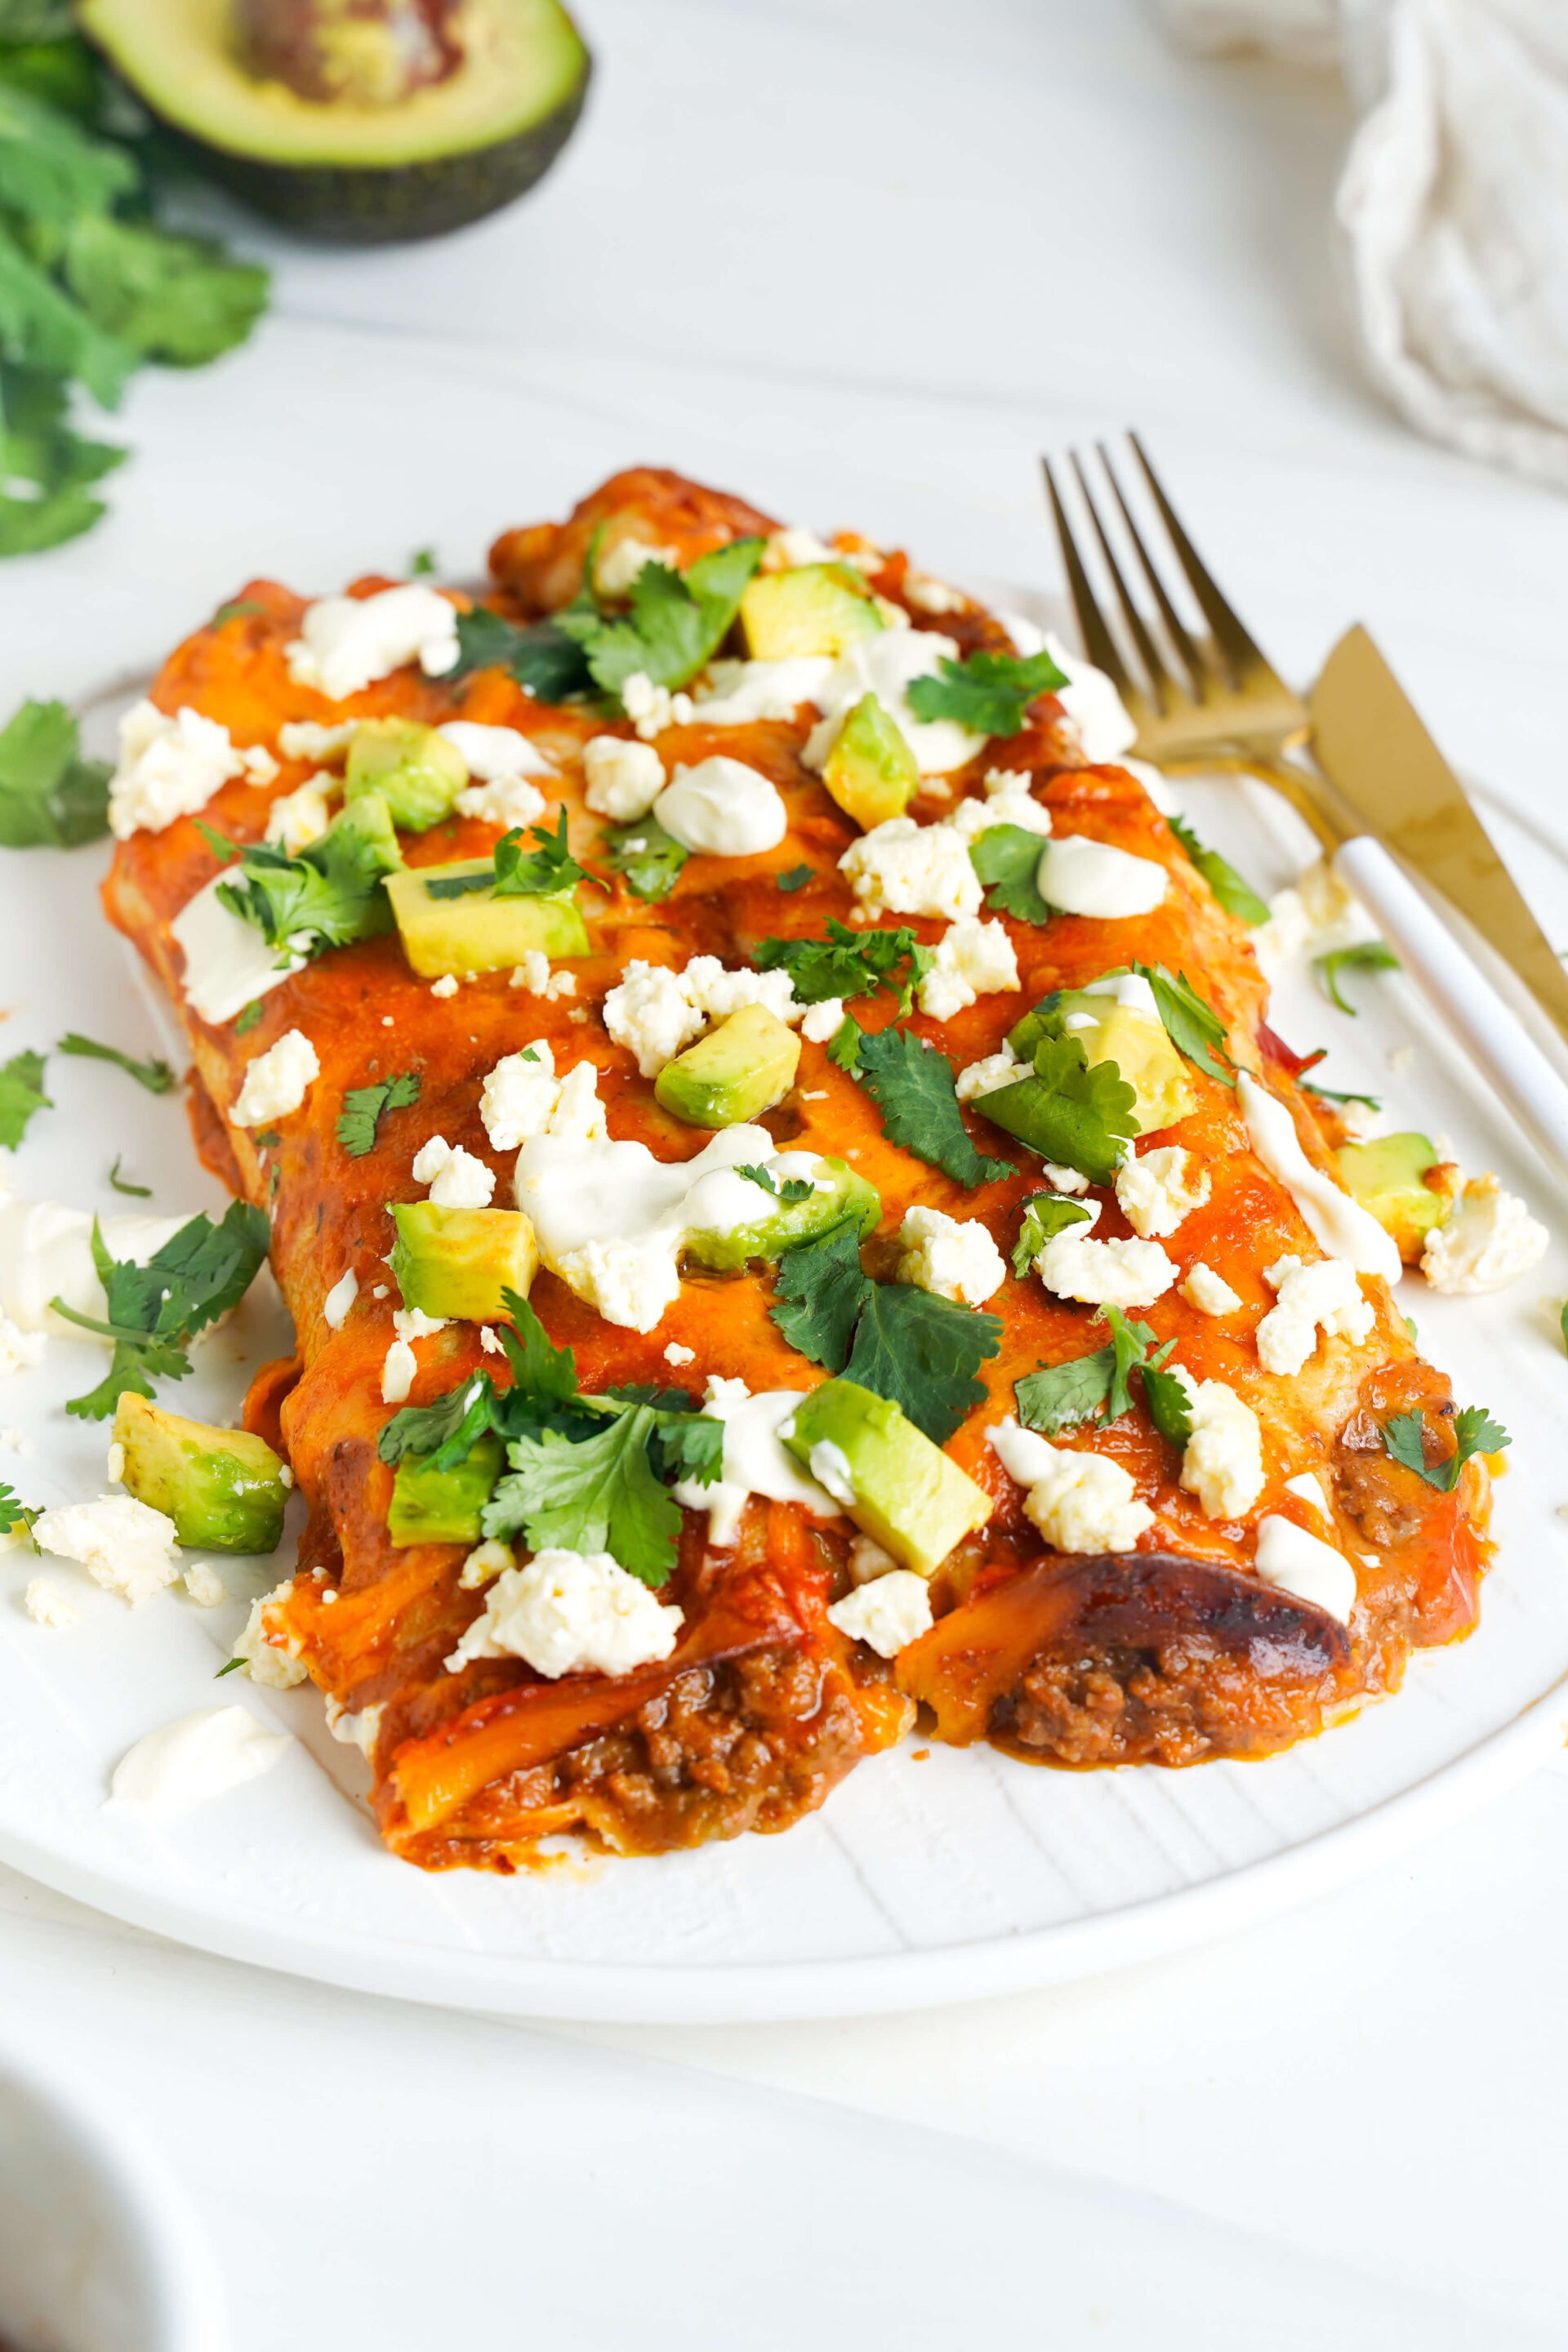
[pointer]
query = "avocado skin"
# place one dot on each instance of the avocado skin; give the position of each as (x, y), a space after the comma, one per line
(363, 204)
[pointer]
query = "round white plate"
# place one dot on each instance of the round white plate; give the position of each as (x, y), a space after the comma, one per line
(930, 1876)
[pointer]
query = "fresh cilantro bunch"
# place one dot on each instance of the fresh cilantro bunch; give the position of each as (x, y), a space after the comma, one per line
(989, 693)
(920, 1351)
(21, 1094)
(914, 1088)
(650, 858)
(328, 896)
(514, 873)
(849, 962)
(587, 1473)
(1098, 1387)
(1006, 857)
(1475, 1432)
(90, 287)
(1236, 897)
(154, 1311)
(49, 793)
(364, 1108)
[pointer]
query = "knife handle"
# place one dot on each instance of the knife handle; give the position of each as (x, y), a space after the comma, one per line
(1467, 1004)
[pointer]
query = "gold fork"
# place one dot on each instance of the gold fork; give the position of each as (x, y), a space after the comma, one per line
(1220, 704)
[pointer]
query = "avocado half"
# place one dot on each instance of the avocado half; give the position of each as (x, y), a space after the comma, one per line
(445, 155)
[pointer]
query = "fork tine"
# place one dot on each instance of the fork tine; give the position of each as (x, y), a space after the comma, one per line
(1098, 644)
(1239, 649)
(1198, 668)
(1160, 677)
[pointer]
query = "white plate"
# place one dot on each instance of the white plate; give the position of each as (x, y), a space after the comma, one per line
(921, 1881)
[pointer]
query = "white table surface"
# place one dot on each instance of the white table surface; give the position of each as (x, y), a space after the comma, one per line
(864, 259)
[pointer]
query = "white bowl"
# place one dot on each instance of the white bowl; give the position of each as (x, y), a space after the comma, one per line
(99, 2250)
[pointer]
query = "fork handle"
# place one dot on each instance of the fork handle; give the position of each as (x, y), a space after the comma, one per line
(1469, 1007)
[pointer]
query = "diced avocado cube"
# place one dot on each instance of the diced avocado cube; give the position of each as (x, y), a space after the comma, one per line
(222, 1488)
(416, 771)
(1116, 1033)
(744, 1067)
(909, 1497)
(819, 608)
(780, 1224)
(872, 772)
(1388, 1177)
(458, 1262)
(431, 1505)
(475, 930)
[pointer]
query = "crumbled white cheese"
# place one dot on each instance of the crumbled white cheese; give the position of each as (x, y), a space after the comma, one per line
(523, 1097)
(204, 1585)
(346, 642)
(622, 779)
(651, 709)
(1156, 1191)
(398, 1372)
(188, 1763)
(412, 1323)
(933, 596)
(954, 1257)
(823, 1019)
(740, 692)
(973, 959)
(1303, 1564)
(447, 986)
(1080, 1502)
(867, 1560)
(1222, 1463)
(495, 755)
(361, 1730)
(722, 807)
(277, 1081)
(886, 1614)
(123, 1545)
(301, 817)
(912, 869)
(654, 1013)
(484, 1564)
(677, 1355)
(275, 1665)
(45, 1604)
(1324, 1296)
(489, 1343)
(1080, 876)
(19, 1350)
(1316, 916)
(1104, 1274)
(617, 566)
(534, 976)
(571, 1613)
(1489, 1238)
(755, 1461)
(510, 801)
(1008, 801)
(457, 1179)
(170, 768)
(791, 546)
(1209, 1292)
(307, 739)
(339, 1300)
(989, 1077)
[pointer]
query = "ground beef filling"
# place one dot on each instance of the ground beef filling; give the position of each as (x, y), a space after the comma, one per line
(1170, 1706)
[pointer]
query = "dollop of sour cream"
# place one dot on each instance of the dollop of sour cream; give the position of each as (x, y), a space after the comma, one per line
(1079, 877)
(228, 964)
(722, 807)
(755, 1460)
(189, 1762)
(494, 754)
(1340, 1225)
(1305, 1565)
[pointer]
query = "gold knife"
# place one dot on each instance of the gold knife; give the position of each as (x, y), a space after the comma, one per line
(1375, 753)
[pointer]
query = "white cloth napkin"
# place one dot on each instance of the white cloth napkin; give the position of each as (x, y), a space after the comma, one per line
(1453, 207)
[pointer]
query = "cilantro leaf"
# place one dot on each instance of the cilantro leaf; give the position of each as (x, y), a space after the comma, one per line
(155, 1076)
(1045, 1213)
(364, 1108)
(821, 1289)
(14, 1512)
(1331, 1094)
(123, 1184)
(650, 858)
(795, 880)
(922, 1352)
(154, 1311)
(913, 1088)
(1170, 1407)
(47, 468)
(1236, 897)
(591, 1494)
(1371, 955)
(1063, 1396)
(677, 622)
(21, 1094)
(51, 171)
(792, 1188)
(544, 661)
(1006, 857)
(989, 693)
(240, 609)
(423, 564)
(448, 1428)
(245, 1020)
(48, 794)
(329, 896)
(539, 872)
(1130, 1344)
(849, 962)
(1474, 1430)
(1192, 1025)
(1098, 1387)
(843, 1048)
(175, 299)
(1080, 1114)
(547, 1373)
(688, 1444)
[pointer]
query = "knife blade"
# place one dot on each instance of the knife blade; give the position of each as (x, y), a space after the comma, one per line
(1374, 748)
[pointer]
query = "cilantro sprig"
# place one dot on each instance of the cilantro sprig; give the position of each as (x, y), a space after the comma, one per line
(329, 896)
(14, 1513)
(516, 873)
(849, 962)
(676, 623)
(1192, 1025)
(792, 1188)
(49, 795)
(988, 693)
(1475, 1432)
(154, 1311)
(914, 1087)
(364, 1108)
(1078, 1113)
(649, 858)
(1236, 897)
(544, 661)
(1006, 857)
(1098, 1387)
(920, 1351)
(155, 1076)
(21, 1094)
(1368, 955)
(1045, 1214)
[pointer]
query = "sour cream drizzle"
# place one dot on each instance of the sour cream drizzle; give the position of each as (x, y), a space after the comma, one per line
(1339, 1225)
